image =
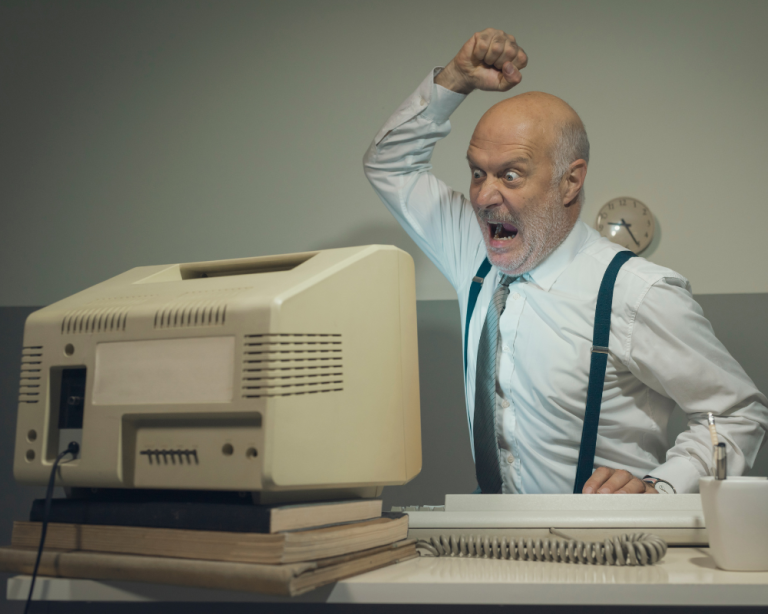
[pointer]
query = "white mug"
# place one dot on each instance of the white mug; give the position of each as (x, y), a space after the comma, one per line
(736, 515)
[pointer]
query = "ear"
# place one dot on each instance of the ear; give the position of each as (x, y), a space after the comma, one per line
(573, 180)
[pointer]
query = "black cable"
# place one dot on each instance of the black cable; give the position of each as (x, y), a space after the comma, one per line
(73, 448)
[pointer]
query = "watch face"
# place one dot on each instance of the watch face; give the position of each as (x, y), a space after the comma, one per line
(664, 488)
(628, 222)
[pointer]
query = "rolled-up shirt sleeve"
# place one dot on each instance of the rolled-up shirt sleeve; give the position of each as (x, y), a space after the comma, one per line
(672, 349)
(439, 219)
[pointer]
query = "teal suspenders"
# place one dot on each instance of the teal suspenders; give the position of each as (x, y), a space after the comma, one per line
(474, 290)
(597, 366)
(598, 362)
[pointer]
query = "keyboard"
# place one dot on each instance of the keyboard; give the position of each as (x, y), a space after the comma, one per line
(678, 519)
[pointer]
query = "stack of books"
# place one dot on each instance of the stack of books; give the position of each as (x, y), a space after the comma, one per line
(281, 550)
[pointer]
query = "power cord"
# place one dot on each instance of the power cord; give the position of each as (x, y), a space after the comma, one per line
(73, 448)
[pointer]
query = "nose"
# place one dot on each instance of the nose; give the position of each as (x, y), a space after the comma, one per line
(489, 194)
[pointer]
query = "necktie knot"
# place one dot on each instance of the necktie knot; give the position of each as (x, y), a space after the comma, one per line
(506, 280)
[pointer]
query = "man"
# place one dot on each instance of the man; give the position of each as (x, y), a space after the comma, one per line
(528, 160)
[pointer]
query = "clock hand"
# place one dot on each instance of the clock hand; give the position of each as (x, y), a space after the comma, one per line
(629, 231)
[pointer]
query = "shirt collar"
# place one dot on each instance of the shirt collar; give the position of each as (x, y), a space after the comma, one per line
(545, 274)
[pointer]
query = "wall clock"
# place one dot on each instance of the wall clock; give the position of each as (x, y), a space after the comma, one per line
(628, 222)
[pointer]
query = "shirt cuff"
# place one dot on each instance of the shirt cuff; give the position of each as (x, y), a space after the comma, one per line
(441, 102)
(680, 472)
(433, 102)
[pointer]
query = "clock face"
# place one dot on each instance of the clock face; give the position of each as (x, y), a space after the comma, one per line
(628, 222)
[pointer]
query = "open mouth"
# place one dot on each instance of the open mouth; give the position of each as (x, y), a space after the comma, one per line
(502, 231)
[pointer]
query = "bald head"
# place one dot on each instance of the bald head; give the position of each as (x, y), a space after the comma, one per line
(541, 121)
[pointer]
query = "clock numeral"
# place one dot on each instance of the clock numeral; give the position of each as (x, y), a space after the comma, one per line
(646, 235)
(649, 222)
(623, 202)
(600, 227)
(610, 206)
(634, 204)
(645, 211)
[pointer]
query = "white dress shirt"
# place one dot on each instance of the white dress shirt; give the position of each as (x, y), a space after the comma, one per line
(663, 351)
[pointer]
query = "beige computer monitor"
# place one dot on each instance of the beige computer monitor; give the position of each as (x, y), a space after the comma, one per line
(293, 376)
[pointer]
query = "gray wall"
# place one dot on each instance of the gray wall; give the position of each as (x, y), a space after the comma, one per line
(142, 132)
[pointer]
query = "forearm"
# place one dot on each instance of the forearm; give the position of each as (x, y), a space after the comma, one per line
(675, 352)
(404, 145)
(397, 164)
(452, 79)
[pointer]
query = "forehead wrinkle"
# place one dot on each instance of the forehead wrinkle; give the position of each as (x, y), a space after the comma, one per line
(500, 154)
(509, 138)
(505, 163)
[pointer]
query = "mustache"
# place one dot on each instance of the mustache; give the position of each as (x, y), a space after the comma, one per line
(498, 217)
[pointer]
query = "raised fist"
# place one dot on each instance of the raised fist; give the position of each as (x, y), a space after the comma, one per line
(491, 60)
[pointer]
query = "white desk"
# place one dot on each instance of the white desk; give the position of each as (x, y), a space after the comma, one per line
(686, 576)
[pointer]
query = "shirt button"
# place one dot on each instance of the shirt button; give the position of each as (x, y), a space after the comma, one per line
(515, 296)
(422, 102)
(505, 348)
(510, 459)
(505, 403)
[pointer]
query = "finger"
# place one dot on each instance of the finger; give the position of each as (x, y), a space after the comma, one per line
(482, 42)
(597, 479)
(495, 49)
(634, 486)
(510, 77)
(617, 481)
(508, 53)
(521, 59)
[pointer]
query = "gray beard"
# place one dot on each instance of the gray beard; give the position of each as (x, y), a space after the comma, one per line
(544, 228)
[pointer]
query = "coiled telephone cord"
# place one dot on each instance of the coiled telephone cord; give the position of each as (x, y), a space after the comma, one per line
(628, 549)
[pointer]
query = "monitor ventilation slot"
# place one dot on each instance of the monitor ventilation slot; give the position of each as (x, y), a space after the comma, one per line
(171, 457)
(291, 364)
(31, 368)
(103, 320)
(186, 315)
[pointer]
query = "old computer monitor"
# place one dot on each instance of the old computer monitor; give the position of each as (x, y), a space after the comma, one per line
(287, 376)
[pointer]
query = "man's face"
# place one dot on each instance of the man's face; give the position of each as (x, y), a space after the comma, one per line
(520, 211)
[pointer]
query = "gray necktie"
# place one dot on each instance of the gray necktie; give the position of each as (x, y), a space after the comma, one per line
(484, 424)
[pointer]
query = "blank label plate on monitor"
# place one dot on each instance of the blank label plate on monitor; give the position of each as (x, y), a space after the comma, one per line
(168, 371)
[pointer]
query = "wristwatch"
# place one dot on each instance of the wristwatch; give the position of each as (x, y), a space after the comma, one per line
(662, 486)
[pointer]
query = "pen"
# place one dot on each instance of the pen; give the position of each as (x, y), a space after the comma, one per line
(719, 458)
(712, 429)
(721, 462)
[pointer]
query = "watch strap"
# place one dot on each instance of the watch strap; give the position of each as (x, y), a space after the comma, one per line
(649, 479)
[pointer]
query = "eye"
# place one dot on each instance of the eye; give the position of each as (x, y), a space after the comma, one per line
(477, 174)
(510, 176)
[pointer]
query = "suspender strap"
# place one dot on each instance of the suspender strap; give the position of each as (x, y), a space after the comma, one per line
(474, 290)
(597, 368)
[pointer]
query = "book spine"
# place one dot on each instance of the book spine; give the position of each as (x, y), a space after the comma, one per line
(155, 514)
(270, 579)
